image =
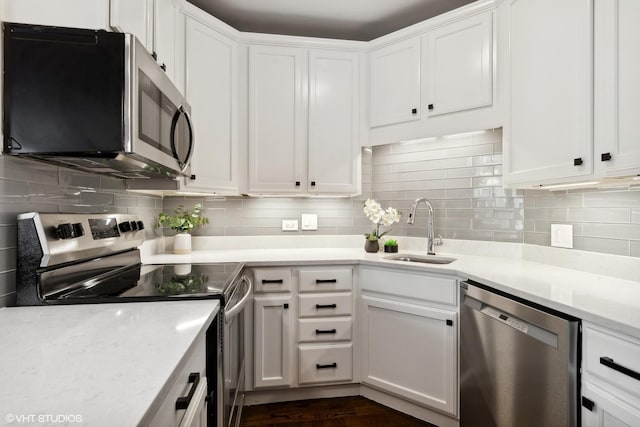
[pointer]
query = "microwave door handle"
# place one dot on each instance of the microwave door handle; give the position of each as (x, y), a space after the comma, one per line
(183, 163)
(233, 311)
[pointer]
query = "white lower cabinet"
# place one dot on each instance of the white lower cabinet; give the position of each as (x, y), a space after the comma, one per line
(410, 350)
(323, 363)
(273, 340)
(611, 379)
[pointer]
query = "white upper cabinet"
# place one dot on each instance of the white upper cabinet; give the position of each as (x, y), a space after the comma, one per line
(334, 117)
(91, 14)
(211, 90)
(166, 17)
(617, 88)
(457, 60)
(135, 17)
(395, 83)
(277, 119)
(304, 121)
(549, 132)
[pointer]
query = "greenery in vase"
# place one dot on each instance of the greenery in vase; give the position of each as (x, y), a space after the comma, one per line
(373, 210)
(187, 284)
(183, 220)
(391, 242)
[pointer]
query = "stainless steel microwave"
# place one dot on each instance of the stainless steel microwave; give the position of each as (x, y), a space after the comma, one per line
(93, 100)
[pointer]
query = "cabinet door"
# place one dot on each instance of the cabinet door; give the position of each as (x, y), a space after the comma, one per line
(617, 77)
(334, 119)
(608, 410)
(91, 14)
(411, 351)
(273, 341)
(395, 83)
(211, 82)
(164, 35)
(135, 17)
(458, 65)
(550, 121)
(277, 120)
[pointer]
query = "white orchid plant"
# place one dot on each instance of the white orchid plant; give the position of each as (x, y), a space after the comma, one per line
(373, 210)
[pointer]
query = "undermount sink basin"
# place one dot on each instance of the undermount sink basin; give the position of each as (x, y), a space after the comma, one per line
(426, 259)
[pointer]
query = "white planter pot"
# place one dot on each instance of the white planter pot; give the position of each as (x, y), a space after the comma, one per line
(182, 244)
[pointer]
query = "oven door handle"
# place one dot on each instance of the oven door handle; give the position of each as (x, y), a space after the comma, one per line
(233, 311)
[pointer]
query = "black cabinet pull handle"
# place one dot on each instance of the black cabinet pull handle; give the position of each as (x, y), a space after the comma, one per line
(297, 183)
(192, 177)
(588, 403)
(609, 363)
(326, 306)
(285, 306)
(578, 161)
(154, 55)
(164, 67)
(449, 322)
(430, 107)
(332, 365)
(183, 402)
(325, 331)
(605, 157)
(318, 281)
(313, 183)
(414, 111)
(271, 281)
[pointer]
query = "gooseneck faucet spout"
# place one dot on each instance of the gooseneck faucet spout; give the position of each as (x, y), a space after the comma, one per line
(430, 233)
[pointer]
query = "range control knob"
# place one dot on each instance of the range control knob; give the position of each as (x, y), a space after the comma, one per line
(64, 231)
(124, 226)
(134, 226)
(78, 230)
(140, 225)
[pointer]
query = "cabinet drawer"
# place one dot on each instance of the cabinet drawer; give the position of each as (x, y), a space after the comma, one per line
(325, 280)
(613, 358)
(334, 304)
(325, 363)
(329, 329)
(272, 279)
(167, 414)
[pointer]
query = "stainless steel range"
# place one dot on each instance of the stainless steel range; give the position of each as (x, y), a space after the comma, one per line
(94, 258)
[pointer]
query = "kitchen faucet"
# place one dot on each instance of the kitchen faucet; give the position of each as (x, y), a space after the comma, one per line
(412, 216)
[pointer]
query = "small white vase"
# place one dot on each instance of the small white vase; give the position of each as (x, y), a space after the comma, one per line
(182, 244)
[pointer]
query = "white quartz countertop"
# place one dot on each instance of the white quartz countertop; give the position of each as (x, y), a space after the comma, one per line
(93, 364)
(601, 299)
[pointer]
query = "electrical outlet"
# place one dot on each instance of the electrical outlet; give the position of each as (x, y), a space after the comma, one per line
(289, 225)
(562, 235)
(309, 221)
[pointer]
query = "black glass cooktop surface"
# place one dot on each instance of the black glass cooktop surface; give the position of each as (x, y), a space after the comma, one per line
(157, 282)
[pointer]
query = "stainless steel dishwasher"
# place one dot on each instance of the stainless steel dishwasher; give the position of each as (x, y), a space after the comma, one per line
(518, 362)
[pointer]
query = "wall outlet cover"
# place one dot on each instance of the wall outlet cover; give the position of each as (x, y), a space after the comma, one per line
(309, 221)
(562, 235)
(289, 225)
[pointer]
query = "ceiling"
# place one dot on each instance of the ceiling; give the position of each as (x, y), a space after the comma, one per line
(337, 19)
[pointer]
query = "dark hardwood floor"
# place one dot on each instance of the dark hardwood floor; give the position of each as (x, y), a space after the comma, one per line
(334, 412)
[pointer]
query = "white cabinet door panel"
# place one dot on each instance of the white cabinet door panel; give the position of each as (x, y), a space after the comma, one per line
(550, 122)
(211, 90)
(395, 83)
(277, 119)
(91, 14)
(135, 17)
(459, 65)
(334, 105)
(608, 411)
(273, 345)
(410, 351)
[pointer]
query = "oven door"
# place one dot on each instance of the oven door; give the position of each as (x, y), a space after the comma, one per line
(233, 350)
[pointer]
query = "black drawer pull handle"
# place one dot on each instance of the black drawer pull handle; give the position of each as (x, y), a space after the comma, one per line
(183, 402)
(588, 403)
(325, 331)
(430, 107)
(332, 365)
(318, 281)
(414, 111)
(297, 183)
(326, 306)
(605, 157)
(271, 281)
(578, 161)
(609, 363)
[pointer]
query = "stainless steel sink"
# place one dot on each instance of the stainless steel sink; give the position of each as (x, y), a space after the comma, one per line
(426, 259)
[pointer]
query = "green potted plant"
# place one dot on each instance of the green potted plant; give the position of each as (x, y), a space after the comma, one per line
(391, 245)
(373, 210)
(183, 221)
